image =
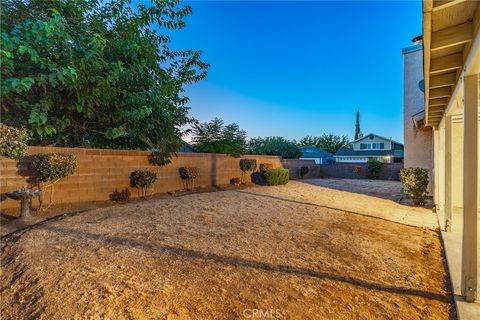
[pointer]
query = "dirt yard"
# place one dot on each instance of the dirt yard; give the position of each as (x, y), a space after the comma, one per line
(301, 251)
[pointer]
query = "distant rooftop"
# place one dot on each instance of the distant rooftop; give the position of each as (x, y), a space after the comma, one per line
(314, 152)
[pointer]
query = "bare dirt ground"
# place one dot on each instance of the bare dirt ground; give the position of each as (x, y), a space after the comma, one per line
(294, 252)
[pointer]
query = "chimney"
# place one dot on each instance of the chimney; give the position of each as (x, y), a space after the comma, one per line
(418, 40)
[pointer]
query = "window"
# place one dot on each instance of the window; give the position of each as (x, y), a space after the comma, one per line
(372, 146)
(378, 146)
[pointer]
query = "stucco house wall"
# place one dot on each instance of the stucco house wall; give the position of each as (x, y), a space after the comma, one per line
(418, 143)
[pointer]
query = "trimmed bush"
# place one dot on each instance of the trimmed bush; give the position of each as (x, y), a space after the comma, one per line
(189, 175)
(415, 184)
(247, 165)
(13, 142)
(51, 167)
(235, 181)
(121, 196)
(142, 180)
(303, 171)
(275, 177)
(374, 167)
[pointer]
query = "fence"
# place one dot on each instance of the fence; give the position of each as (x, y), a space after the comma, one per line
(101, 171)
(390, 171)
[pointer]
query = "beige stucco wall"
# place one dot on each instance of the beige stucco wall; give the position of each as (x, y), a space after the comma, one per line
(457, 161)
(418, 144)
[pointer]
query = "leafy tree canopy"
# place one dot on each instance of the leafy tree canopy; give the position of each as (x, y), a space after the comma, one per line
(216, 137)
(96, 73)
(328, 142)
(276, 146)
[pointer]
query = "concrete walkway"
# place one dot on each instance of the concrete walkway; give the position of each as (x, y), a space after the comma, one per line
(453, 251)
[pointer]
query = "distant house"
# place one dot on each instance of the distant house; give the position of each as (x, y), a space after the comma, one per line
(371, 146)
(186, 147)
(313, 153)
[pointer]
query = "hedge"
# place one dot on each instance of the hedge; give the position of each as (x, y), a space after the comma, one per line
(275, 177)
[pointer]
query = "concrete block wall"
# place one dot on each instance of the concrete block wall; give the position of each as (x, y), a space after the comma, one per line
(390, 171)
(294, 165)
(101, 171)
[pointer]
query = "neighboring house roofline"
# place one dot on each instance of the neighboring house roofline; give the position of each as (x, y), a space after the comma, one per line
(378, 136)
(186, 144)
(318, 152)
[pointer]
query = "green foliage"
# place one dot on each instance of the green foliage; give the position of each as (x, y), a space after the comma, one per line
(328, 142)
(13, 142)
(51, 167)
(235, 181)
(216, 137)
(161, 157)
(248, 164)
(189, 175)
(121, 196)
(357, 126)
(303, 171)
(374, 167)
(275, 177)
(415, 184)
(275, 146)
(142, 180)
(96, 73)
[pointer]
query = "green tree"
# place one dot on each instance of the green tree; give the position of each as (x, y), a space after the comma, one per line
(328, 142)
(276, 146)
(96, 73)
(357, 126)
(216, 137)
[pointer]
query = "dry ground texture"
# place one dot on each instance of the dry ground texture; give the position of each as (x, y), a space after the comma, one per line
(295, 252)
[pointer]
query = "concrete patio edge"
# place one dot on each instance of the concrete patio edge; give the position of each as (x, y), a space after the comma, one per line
(452, 246)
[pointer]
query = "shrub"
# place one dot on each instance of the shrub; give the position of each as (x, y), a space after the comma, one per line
(357, 169)
(142, 180)
(275, 177)
(189, 175)
(247, 165)
(51, 167)
(415, 183)
(374, 167)
(265, 166)
(235, 181)
(13, 142)
(121, 196)
(303, 171)
(258, 178)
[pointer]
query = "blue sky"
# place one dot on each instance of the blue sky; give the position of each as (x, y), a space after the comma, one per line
(298, 68)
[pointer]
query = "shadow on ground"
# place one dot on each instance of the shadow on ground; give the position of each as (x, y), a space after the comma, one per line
(242, 262)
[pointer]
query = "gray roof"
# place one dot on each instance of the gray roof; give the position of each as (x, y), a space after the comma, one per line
(344, 152)
(314, 152)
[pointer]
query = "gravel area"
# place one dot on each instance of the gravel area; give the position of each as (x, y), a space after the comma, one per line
(301, 251)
